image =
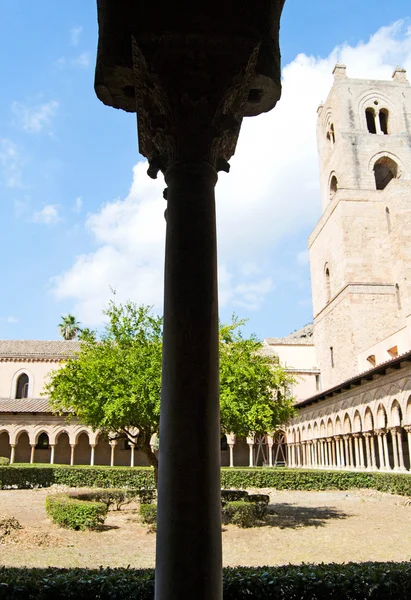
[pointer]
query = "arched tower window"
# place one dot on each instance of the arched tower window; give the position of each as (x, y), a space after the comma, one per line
(333, 186)
(331, 134)
(22, 387)
(327, 283)
(383, 117)
(370, 116)
(385, 169)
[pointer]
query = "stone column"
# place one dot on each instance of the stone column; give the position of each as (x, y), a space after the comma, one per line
(113, 445)
(393, 432)
(92, 446)
(190, 538)
(231, 450)
(12, 453)
(32, 451)
(342, 457)
(400, 449)
(52, 449)
(357, 450)
(347, 455)
(322, 442)
(386, 453)
(380, 433)
(367, 436)
(304, 449)
(132, 448)
(373, 455)
(72, 447)
(408, 430)
(250, 442)
(270, 444)
(361, 448)
(351, 451)
(337, 451)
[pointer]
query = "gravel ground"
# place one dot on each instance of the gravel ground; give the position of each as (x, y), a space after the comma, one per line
(314, 527)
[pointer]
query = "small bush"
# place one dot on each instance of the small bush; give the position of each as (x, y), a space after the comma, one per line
(148, 514)
(75, 514)
(241, 513)
(232, 495)
(4, 461)
(113, 496)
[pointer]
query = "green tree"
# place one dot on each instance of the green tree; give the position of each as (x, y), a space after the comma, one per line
(69, 327)
(113, 384)
(254, 388)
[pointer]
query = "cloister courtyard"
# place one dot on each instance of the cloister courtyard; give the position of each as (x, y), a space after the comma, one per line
(315, 527)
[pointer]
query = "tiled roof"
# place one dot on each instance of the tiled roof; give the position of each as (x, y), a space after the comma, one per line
(24, 405)
(51, 349)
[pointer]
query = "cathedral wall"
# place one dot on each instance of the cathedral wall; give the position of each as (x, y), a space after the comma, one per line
(37, 372)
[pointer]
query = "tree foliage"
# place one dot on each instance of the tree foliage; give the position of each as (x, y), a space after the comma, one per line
(254, 389)
(113, 384)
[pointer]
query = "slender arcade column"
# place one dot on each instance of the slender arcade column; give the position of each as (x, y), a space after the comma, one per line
(386, 453)
(190, 540)
(12, 453)
(92, 446)
(380, 450)
(400, 449)
(112, 451)
(394, 448)
(52, 451)
(32, 451)
(231, 448)
(72, 447)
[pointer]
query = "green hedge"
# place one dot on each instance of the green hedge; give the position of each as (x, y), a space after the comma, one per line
(4, 461)
(26, 477)
(376, 581)
(241, 513)
(33, 476)
(75, 514)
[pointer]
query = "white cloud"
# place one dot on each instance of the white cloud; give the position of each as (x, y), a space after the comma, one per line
(48, 215)
(34, 119)
(11, 163)
(271, 194)
(78, 205)
(82, 61)
(303, 257)
(75, 34)
(11, 320)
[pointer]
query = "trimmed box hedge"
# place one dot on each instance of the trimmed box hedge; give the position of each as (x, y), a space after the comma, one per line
(4, 461)
(376, 581)
(75, 514)
(32, 476)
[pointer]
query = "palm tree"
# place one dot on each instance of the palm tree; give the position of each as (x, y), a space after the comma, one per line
(69, 327)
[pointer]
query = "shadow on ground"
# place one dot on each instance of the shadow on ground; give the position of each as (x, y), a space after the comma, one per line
(291, 516)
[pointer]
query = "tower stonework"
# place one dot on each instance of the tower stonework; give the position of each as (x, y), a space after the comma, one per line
(360, 250)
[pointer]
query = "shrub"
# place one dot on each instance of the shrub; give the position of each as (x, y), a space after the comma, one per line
(75, 514)
(113, 496)
(232, 495)
(260, 502)
(377, 581)
(4, 461)
(241, 513)
(148, 514)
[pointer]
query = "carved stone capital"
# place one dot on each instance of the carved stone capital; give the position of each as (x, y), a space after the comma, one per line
(407, 428)
(368, 434)
(187, 110)
(381, 431)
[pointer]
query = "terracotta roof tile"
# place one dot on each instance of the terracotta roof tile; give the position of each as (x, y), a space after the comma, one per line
(24, 405)
(57, 349)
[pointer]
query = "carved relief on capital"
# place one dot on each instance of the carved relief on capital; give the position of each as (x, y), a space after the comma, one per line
(381, 432)
(407, 428)
(186, 109)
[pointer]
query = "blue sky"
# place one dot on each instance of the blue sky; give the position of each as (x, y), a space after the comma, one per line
(79, 214)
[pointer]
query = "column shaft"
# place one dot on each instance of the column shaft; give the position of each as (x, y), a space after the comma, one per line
(72, 446)
(231, 448)
(381, 453)
(394, 448)
(386, 453)
(400, 450)
(32, 451)
(12, 453)
(52, 449)
(188, 549)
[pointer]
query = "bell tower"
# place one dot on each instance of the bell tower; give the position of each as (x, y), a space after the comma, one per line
(360, 250)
